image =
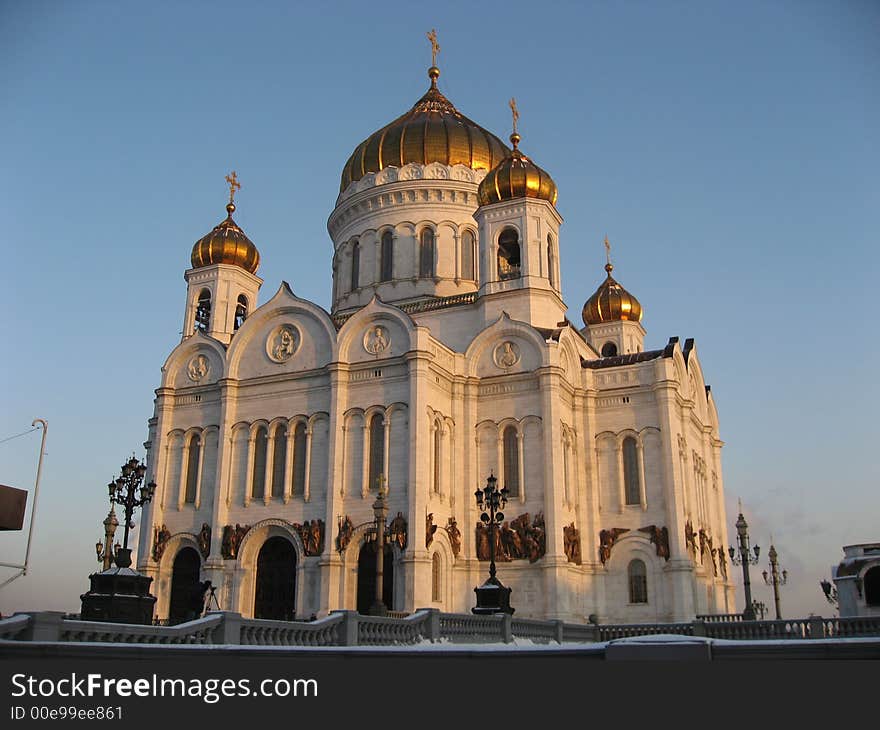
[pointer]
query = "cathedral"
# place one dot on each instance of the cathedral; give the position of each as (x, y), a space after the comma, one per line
(446, 359)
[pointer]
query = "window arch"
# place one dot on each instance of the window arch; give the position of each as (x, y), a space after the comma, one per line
(279, 457)
(299, 458)
(436, 568)
(638, 581)
(468, 256)
(609, 349)
(551, 266)
(355, 265)
(386, 257)
(508, 254)
(192, 469)
(203, 311)
(241, 311)
(426, 254)
(377, 450)
(258, 478)
(631, 470)
(511, 461)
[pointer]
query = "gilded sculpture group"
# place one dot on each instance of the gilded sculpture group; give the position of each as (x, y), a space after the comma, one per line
(515, 540)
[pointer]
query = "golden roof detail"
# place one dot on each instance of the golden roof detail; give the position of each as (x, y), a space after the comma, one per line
(227, 243)
(611, 302)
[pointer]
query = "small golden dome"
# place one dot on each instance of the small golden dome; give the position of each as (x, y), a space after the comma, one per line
(516, 176)
(611, 303)
(226, 244)
(432, 131)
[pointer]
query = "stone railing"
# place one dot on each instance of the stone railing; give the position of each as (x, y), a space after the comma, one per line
(348, 628)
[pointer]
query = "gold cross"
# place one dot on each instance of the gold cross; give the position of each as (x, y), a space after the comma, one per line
(435, 47)
(607, 250)
(233, 185)
(515, 112)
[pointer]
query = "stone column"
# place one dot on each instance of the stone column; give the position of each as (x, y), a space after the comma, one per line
(270, 463)
(621, 481)
(249, 472)
(643, 497)
(307, 492)
(203, 440)
(288, 461)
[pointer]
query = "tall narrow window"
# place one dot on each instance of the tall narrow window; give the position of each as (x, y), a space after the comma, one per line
(508, 254)
(279, 456)
(468, 256)
(437, 436)
(377, 450)
(631, 470)
(258, 479)
(241, 311)
(435, 577)
(609, 349)
(192, 470)
(203, 311)
(511, 461)
(387, 257)
(638, 582)
(355, 265)
(551, 264)
(426, 254)
(299, 459)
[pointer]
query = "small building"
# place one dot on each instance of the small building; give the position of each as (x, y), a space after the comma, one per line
(857, 578)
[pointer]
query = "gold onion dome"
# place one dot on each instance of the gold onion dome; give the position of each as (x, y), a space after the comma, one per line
(516, 176)
(227, 244)
(432, 131)
(611, 303)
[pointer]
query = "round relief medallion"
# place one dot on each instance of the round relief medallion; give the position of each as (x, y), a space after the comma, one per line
(198, 367)
(283, 342)
(376, 340)
(506, 354)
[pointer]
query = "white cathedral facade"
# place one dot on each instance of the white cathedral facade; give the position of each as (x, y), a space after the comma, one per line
(446, 357)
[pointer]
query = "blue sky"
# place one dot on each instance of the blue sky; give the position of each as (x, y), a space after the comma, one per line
(729, 151)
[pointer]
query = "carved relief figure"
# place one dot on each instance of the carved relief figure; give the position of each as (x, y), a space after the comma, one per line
(454, 535)
(161, 535)
(344, 532)
(376, 340)
(572, 540)
(506, 354)
(397, 531)
(482, 542)
(232, 537)
(690, 538)
(659, 536)
(312, 535)
(515, 540)
(703, 543)
(284, 343)
(430, 529)
(607, 538)
(722, 562)
(198, 368)
(205, 540)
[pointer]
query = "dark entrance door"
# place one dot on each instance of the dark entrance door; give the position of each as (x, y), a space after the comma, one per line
(185, 604)
(367, 578)
(275, 596)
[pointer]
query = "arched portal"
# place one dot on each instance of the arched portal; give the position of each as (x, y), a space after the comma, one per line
(186, 591)
(366, 592)
(275, 594)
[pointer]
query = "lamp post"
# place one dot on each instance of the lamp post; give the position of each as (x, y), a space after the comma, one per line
(742, 556)
(106, 550)
(492, 596)
(129, 492)
(380, 512)
(774, 578)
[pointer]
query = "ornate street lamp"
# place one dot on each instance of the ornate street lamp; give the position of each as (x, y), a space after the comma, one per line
(129, 492)
(774, 578)
(743, 557)
(380, 512)
(492, 596)
(106, 550)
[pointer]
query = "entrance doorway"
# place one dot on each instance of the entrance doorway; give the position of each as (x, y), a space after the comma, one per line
(366, 593)
(275, 595)
(186, 592)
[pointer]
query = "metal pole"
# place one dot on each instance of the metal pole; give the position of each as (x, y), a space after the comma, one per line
(491, 543)
(774, 576)
(380, 563)
(749, 612)
(27, 552)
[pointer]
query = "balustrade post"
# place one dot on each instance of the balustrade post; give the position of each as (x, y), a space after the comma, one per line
(348, 634)
(699, 627)
(506, 628)
(559, 626)
(44, 626)
(229, 629)
(817, 627)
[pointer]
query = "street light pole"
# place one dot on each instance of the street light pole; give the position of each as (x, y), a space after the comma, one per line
(380, 512)
(492, 596)
(743, 556)
(774, 578)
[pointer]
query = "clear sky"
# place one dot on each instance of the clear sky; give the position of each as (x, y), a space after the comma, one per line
(729, 150)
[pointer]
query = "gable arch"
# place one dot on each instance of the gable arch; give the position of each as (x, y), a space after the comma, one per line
(175, 370)
(480, 353)
(353, 337)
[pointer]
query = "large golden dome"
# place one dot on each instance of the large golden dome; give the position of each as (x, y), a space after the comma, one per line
(432, 131)
(516, 176)
(226, 244)
(611, 303)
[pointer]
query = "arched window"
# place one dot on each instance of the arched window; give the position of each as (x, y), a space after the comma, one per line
(508, 254)
(511, 461)
(468, 256)
(437, 435)
(279, 456)
(435, 577)
(609, 349)
(192, 470)
(631, 470)
(258, 479)
(203, 311)
(871, 583)
(387, 257)
(377, 450)
(426, 254)
(551, 266)
(638, 582)
(355, 265)
(299, 458)
(241, 311)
